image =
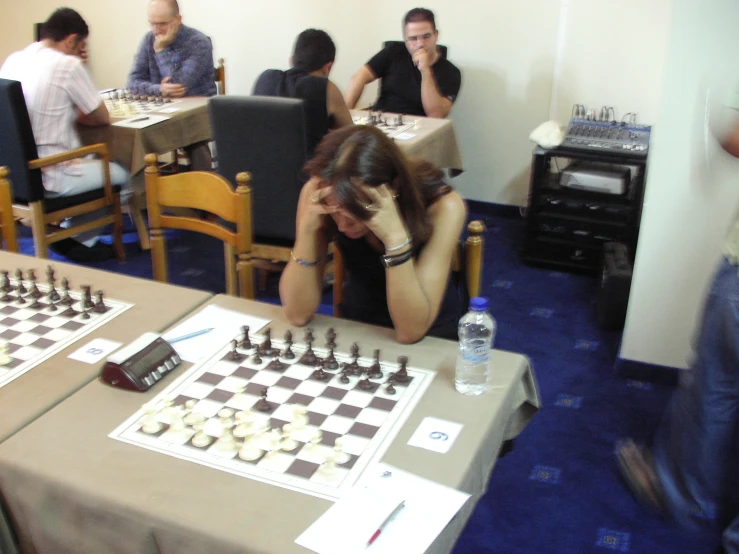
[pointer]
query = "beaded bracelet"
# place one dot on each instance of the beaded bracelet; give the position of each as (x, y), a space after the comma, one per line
(303, 262)
(408, 241)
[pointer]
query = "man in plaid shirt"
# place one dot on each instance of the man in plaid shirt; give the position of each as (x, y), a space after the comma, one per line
(175, 61)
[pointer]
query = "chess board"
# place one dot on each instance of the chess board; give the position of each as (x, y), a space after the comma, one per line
(387, 126)
(367, 419)
(37, 332)
(130, 108)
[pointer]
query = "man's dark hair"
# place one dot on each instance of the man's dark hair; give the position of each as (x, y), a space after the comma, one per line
(62, 23)
(313, 49)
(417, 15)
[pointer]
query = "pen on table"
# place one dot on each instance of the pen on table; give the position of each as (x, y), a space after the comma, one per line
(139, 119)
(190, 335)
(384, 524)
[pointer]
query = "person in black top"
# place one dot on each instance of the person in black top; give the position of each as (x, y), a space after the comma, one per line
(397, 225)
(417, 79)
(313, 56)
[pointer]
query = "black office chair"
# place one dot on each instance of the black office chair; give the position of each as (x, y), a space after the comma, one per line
(18, 152)
(266, 137)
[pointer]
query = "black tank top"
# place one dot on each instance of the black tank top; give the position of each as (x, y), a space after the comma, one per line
(295, 83)
(365, 292)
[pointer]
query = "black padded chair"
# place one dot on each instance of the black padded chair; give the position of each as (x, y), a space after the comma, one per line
(266, 137)
(18, 152)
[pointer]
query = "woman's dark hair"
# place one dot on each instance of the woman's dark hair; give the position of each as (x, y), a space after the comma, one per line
(362, 154)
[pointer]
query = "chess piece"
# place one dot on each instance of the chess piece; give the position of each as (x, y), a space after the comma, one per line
(288, 444)
(200, 439)
(245, 341)
(262, 405)
(390, 389)
(320, 375)
(36, 305)
(330, 338)
(340, 456)
(150, 423)
(288, 354)
(226, 443)
(402, 374)
(177, 424)
(315, 441)
(67, 300)
(19, 282)
(344, 376)
(33, 291)
(309, 336)
(51, 280)
(256, 359)
(234, 355)
(99, 307)
(191, 417)
(85, 313)
(300, 419)
(87, 296)
(328, 468)
(374, 371)
(19, 296)
(365, 384)
(354, 351)
(245, 426)
(267, 344)
(53, 307)
(330, 362)
(70, 312)
(5, 358)
(5, 285)
(250, 451)
(226, 418)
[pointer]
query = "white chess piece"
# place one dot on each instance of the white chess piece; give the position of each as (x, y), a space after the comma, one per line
(226, 442)
(200, 439)
(288, 443)
(315, 440)
(150, 422)
(5, 358)
(273, 442)
(245, 426)
(328, 467)
(250, 451)
(340, 457)
(300, 420)
(177, 424)
(191, 416)
(226, 416)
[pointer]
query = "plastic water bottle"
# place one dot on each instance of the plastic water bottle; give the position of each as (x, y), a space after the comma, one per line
(476, 332)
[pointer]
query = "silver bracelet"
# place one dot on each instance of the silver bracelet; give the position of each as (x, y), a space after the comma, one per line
(408, 241)
(303, 262)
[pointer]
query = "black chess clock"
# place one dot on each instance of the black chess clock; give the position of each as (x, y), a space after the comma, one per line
(140, 364)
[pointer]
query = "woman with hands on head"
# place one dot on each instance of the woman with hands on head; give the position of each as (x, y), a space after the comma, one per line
(397, 225)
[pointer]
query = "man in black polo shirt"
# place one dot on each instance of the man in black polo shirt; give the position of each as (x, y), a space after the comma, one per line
(313, 56)
(417, 79)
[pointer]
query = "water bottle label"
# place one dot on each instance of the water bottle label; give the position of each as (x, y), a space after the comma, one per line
(477, 354)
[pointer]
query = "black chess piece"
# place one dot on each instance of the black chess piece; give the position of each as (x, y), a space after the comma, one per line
(99, 307)
(87, 296)
(5, 285)
(85, 313)
(256, 359)
(245, 341)
(33, 291)
(66, 299)
(330, 362)
(69, 312)
(289, 354)
(309, 336)
(401, 376)
(234, 356)
(390, 389)
(320, 375)
(19, 282)
(345, 371)
(19, 297)
(262, 404)
(375, 370)
(330, 338)
(365, 384)
(53, 307)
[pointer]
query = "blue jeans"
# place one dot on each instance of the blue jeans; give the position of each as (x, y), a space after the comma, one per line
(90, 177)
(696, 447)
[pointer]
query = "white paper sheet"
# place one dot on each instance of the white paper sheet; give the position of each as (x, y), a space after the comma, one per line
(404, 136)
(347, 526)
(225, 324)
(435, 434)
(141, 121)
(95, 350)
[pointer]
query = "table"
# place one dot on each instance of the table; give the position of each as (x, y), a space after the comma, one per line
(434, 140)
(128, 146)
(70, 488)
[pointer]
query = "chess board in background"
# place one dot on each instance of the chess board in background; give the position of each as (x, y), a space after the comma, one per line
(37, 328)
(120, 104)
(387, 123)
(367, 419)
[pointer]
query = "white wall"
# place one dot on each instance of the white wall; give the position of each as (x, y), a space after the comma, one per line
(506, 51)
(691, 195)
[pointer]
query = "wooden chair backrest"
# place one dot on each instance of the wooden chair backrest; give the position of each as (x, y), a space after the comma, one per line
(201, 190)
(220, 77)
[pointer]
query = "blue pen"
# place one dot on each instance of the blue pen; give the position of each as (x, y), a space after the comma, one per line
(190, 335)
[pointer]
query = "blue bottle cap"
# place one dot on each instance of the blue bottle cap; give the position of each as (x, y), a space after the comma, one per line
(479, 304)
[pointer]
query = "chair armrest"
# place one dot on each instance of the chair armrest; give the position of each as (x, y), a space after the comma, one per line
(100, 148)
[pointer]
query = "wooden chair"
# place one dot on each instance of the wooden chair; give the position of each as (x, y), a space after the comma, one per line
(202, 190)
(466, 266)
(7, 222)
(18, 152)
(220, 77)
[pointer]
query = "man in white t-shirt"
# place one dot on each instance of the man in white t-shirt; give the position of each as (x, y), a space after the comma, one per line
(60, 93)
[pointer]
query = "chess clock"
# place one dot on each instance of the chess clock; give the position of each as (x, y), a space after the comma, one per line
(140, 364)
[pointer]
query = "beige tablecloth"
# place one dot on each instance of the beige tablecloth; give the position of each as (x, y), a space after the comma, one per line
(434, 140)
(128, 146)
(71, 489)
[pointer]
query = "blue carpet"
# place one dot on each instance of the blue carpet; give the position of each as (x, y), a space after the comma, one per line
(559, 491)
